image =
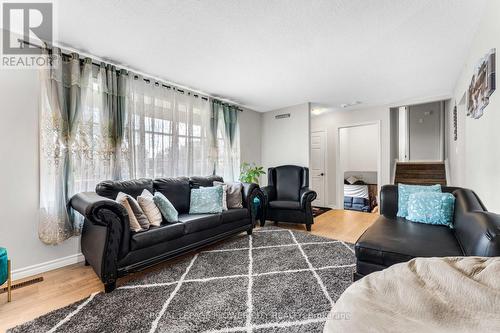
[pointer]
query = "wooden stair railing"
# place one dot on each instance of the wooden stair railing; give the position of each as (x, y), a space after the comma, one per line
(420, 173)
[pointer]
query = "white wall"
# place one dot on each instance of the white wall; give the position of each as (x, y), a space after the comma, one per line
(19, 174)
(331, 121)
(250, 136)
(286, 141)
(19, 178)
(425, 132)
(481, 162)
(394, 138)
(356, 151)
(455, 150)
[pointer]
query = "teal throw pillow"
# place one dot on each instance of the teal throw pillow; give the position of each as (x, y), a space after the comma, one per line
(206, 200)
(166, 208)
(404, 192)
(431, 208)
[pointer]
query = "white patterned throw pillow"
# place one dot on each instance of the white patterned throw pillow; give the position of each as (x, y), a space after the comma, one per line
(148, 205)
(206, 200)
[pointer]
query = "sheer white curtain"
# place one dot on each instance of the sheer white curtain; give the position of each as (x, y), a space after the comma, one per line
(166, 132)
(98, 123)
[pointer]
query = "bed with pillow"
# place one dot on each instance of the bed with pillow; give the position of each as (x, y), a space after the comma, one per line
(360, 191)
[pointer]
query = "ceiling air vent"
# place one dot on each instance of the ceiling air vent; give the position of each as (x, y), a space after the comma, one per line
(282, 116)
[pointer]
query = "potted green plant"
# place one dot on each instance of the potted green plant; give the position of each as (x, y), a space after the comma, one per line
(250, 172)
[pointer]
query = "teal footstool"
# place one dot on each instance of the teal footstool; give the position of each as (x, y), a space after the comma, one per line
(5, 272)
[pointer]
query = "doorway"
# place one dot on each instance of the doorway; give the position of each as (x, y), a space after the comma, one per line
(358, 166)
(418, 132)
(318, 166)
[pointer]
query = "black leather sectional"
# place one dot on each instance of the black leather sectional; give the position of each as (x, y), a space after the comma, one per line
(113, 250)
(391, 240)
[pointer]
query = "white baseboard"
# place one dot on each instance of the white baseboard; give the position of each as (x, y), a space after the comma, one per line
(46, 266)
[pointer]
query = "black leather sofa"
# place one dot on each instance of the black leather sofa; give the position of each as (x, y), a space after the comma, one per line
(391, 240)
(287, 196)
(113, 250)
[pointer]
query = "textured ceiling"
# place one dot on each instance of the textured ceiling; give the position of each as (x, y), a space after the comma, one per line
(270, 54)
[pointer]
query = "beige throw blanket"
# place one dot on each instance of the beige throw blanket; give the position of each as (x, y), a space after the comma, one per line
(423, 295)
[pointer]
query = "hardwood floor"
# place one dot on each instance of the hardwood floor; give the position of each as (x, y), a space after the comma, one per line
(344, 225)
(69, 284)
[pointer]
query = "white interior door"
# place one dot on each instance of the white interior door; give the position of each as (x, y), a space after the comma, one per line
(317, 170)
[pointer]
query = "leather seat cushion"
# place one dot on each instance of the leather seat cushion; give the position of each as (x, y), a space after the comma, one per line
(281, 204)
(288, 182)
(198, 222)
(197, 181)
(235, 214)
(388, 242)
(177, 190)
(155, 235)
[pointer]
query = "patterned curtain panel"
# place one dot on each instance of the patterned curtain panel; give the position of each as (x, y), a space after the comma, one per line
(80, 134)
(228, 140)
(60, 95)
(95, 144)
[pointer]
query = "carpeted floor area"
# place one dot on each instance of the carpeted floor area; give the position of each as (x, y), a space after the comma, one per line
(276, 280)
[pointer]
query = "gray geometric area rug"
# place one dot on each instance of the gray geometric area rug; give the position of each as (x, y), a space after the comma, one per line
(276, 280)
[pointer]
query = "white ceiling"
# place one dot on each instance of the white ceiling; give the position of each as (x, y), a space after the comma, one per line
(270, 54)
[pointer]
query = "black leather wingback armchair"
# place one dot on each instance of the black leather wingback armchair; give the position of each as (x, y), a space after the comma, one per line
(287, 196)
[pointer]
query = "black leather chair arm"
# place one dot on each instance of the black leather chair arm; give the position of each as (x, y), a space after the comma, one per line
(105, 234)
(307, 196)
(269, 193)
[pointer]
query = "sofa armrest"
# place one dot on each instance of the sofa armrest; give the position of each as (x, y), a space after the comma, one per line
(105, 234)
(389, 201)
(248, 193)
(307, 196)
(477, 231)
(90, 204)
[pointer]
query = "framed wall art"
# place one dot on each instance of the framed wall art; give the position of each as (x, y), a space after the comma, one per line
(482, 85)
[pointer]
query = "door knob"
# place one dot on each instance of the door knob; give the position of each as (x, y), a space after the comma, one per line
(322, 174)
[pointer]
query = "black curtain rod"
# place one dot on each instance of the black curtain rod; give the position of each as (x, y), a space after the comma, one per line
(21, 41)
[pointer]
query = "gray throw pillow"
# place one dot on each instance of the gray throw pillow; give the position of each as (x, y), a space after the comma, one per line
(134, 210)
(233, 194)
